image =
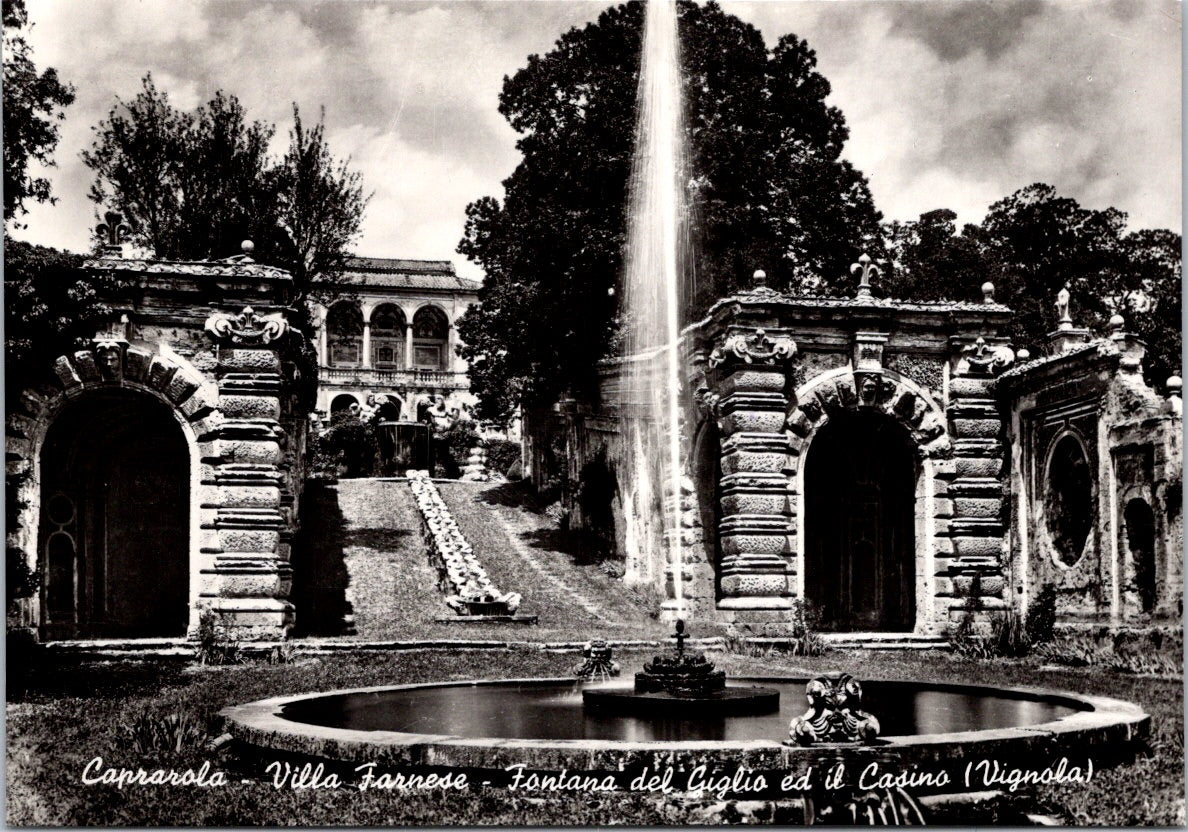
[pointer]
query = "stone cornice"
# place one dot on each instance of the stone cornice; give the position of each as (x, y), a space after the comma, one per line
(1098, 354)
(196, 268)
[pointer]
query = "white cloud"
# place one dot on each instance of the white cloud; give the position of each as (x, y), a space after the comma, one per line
(951, 103)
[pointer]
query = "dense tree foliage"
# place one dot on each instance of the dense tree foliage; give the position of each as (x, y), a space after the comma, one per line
(49, 304)
(194, 185)
(33, 105)
(767, 187)
(1033, 243)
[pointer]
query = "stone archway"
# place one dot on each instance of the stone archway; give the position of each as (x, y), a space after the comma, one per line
(114, 520)
(891, 548)
(859, 556)
(114, 413)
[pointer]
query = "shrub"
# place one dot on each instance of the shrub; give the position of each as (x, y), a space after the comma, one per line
(502, 454)
(451, 447)
(215, 645)
(347, 448)
(1009, 635)
(150, 733)
(1041, 616)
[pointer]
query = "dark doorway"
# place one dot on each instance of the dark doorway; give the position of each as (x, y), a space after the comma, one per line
(860, 549)
(1140, 539)
(115, 481)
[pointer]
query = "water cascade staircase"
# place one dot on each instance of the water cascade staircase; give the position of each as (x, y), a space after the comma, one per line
(470, 593)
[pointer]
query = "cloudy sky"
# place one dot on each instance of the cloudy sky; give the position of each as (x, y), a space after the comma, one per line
(951, 103)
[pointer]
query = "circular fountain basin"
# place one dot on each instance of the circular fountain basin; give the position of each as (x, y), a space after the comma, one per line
(540, 724)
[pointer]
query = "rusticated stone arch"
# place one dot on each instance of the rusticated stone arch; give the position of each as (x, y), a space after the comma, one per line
(113, 364)
(887, 392)
(900, 399)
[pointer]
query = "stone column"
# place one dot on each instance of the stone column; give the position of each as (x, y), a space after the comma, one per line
(973, 573)
(245, 577)
(408, 346)
(366, 362)
(755, 531)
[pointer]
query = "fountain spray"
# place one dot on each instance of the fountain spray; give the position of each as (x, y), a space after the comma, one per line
(654, 285)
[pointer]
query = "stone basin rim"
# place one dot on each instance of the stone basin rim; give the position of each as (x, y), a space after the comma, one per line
(261, 721)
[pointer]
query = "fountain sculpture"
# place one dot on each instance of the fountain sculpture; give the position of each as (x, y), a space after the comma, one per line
(683, 683)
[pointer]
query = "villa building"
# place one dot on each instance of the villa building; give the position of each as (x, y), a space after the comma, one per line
(394, 334)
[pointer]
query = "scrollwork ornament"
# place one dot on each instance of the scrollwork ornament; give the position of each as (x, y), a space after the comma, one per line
(248, 327)
(754, 348)
(986, 359)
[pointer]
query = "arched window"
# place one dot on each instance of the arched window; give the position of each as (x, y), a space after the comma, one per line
(1068, 499)
(344, 335)
(431, 332)
(387, 337)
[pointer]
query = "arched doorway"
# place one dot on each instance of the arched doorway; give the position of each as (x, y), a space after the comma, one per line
(115, 516)
(860, 479)
(342, 402)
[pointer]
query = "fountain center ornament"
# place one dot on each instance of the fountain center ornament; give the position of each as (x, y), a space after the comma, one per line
(683, 683)
(834, 714)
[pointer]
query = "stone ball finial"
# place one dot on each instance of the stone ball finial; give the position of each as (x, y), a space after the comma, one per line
(1117, 322)
(759, 278)
(988, 292)
(1175, 386)
(1023, 354)
(247, 246)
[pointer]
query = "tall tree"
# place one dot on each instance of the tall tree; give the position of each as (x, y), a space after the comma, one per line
(931, 261)
(193, 185)
(33, 105)
(1035, 242)
(767, 188)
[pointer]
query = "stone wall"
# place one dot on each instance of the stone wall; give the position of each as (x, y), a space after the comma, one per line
(1096, 482)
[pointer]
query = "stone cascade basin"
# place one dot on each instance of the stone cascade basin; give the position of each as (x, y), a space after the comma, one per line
(936, 738)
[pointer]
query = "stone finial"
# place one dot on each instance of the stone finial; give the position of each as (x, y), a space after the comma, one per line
(113, 230)
(988, 292)
(1062, 309)
(867, 269)
(759, 278)
(1117, 323)
(1175, 386)
(1023, 354)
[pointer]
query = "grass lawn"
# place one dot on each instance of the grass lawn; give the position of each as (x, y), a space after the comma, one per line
(72, 713)
(362, 571)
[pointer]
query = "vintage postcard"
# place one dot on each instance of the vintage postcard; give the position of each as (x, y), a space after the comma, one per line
(582, 413)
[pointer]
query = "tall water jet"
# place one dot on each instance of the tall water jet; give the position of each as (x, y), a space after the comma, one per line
(656, 282)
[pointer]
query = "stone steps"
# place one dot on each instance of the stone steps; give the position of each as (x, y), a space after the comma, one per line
(863, 641)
